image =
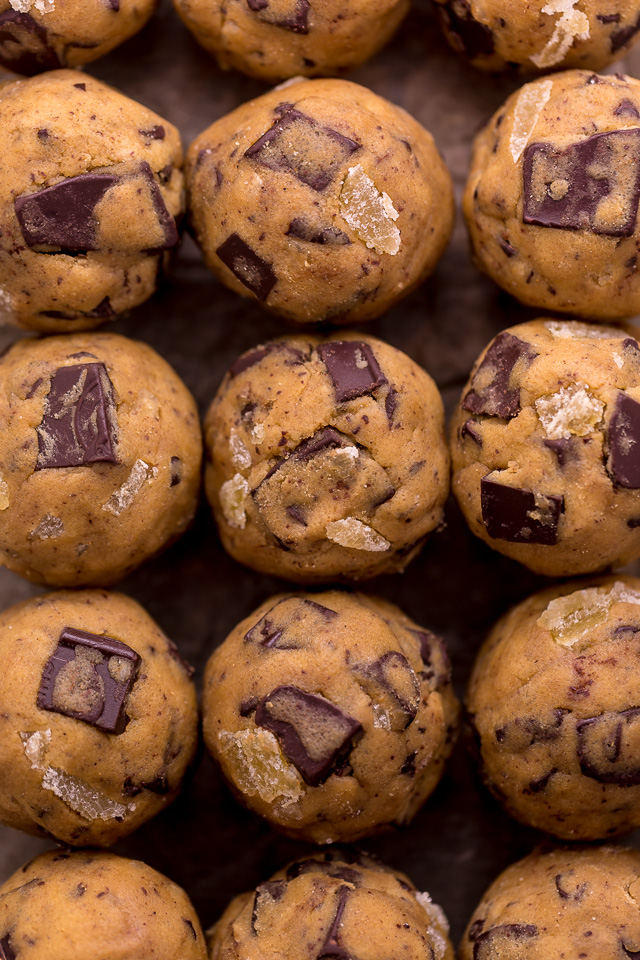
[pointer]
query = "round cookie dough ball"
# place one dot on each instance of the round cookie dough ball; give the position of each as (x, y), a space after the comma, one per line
(565, 903)
(74, 154)
(552, 198)
(100, 453)
(322, 201)
(340, 903)
(546, 447)
(541, 35)
(38, 35)
(99, 719)
(88, 905)
(275, 39)
(560, 747)
(330, 714)
(326, 458)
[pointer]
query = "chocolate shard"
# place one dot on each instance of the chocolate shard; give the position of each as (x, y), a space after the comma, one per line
(154, 133)
(166, 221)
(311, 233)
(470, 428)
(564, 449)
(409, 766)
(633, 954)
(353, 368)
(299, 145)
(391, 404)
(252, 357)
(519, 516)
(315, 735)
(78, 425)
(472, 38)
(103, 311)
(266, 895)
(62, 216)
(626, 630)
(176, 472)
(619, 38)
(325, 439)
(627, 108)
(291, 624)
(590, 185)
(333, 869)
(89, 678)
(24, 45)
(624, 443)
(6, 948)
(434, 655)
(541, 784)
(508, 941)
(392, 685)
(491, 390)
(292, 15)
(333, 946)
(256, 274)
(609, 747)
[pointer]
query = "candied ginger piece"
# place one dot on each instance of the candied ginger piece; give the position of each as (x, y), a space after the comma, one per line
(369, 213)
(356, 534)
(259, 766)
(89, 803)
(23, 6)
(381, 718)
(571, 617)
(49, 528)
(575, 330)
(35, 747)
(438, 921)
(572, 411)
(4, 493)
(529, 106)
(573, 25)
(239, 453)
(233, 494)
(121, 499)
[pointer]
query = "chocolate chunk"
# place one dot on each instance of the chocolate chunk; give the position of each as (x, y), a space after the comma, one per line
(476, 929)
(392, 685)
(626, 629)
(291, 624)
(632, 346)
(295, 17)
(608, 17)
(332, 869)
(633, 954)
(539, 785)
(621, 37)
(62, 216)
(353, 368)
(256, 274)
(626, 108)
(255, 356)
(590, 185)
(155, 133)
(473, 38)
(299, 145)
(519, 516)
(176, 471)
(332, 946)
(89, 678)
(565, 894)
(491, 391)
(192, 929)
(267, 894)
(166, 221)
(78, 425)
(523, 732)
(24, 44)
(506, 247)
(633, 522)
(624, 443)
(470, 428)
(310, 233)
(103, 311)
(564, 449)
(6, 949)
(390, 404)
(325, 439)
(409, 766)
(609, 747)
(80, 86)
(314, 734)
(508, 940)
(435, 658)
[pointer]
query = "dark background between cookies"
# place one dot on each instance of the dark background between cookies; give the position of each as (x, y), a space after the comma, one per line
(460, 840)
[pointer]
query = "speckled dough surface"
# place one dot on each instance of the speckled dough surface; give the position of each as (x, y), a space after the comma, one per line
(100, 453)
(99, 719)
(541, 35)
(567, 903)
(321, 200)
(331, 714)
(552, 198)
(334, 904)
(73, 154)
(554, 702)
(96, 906)
(326, 458)
(546, 447)
(38, 35)
(276, 39)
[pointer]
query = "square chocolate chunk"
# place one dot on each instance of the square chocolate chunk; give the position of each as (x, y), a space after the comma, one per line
(89, 678)
(256, 274)
(624, 443)
(353, 368)
(492, 391)
(63, 216)
(519, 516)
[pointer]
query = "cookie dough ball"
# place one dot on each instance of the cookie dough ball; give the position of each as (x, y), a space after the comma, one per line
(96, 906)
(566, 903)
(340, 903)
(99, 719)
(546, 447)
(100, 453)
(275, 39)
(74, 154)
(326, 458)
(38, 35)
(552, 198)
(322, 201)
(330, 714)
(541, 35)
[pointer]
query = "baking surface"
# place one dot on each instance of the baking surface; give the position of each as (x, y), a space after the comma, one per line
(457, 586)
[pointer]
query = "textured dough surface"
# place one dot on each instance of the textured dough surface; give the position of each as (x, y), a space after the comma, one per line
(331, 714)
(313, 478)
(71, 906)
(68, 259)
(95, 521)
(548, 418)
(321, 200)
(551, 202)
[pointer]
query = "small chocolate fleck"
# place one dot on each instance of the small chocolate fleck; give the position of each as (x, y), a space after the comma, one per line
(256, 274)
(154, 133)
(327, 236)
(391, 403)
(80, 86)
(519, 516)
(353, 368)
(491, 390)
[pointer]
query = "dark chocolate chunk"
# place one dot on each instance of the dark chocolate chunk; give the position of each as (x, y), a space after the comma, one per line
(391, 684)
(519, 516)
(473, 38)
(608, 17)
(288, 624)
(564, 187)
(561, 886)
(332, 946)
(80, 86)
(314, 734)
(508, 940)
(491, 391)
(256, 274)
(506, 247)
(633, 954)
(166, 221)
(409, 766)
(328, 236)
(89, 678)
(476, 929)
(6, 949)
(564, 449)
(470, 428)
(435, 658)
(62, 216)
(155, 133)
(267, 894)
(539, 785)
(78, 425)
(103, 311)
(24, 46)
(626, 108)
(631, 345)
(295, 18)
(523, 732)
(301, 146)
(325, 439)
(626, 630)
(624, 443)
(337, 870)
(255, 356)
(390, 403)
(633, 522)
(176, 471)
(191, 927)
(609, 747)
(353, 368)
(621, 37)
